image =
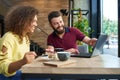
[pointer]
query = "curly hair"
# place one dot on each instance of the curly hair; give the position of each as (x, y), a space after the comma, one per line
(20, 17)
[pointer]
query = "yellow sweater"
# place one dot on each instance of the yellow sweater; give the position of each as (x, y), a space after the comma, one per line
(15, 51)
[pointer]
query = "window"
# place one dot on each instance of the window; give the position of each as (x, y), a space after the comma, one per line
(109, 25)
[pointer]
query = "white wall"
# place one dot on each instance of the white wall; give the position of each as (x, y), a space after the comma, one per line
(83, 4)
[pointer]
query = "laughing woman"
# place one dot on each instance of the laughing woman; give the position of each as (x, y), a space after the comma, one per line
(15, 45)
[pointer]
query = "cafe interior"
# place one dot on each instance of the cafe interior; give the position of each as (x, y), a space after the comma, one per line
(92, 10)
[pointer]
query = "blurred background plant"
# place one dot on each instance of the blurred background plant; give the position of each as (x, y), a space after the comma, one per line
(82, 23)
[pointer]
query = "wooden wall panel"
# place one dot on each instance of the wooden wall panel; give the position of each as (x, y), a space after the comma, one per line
(44, 6)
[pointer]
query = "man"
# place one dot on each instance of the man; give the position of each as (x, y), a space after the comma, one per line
(65, 37)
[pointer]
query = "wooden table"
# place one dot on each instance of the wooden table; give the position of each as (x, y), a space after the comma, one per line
(103, 66)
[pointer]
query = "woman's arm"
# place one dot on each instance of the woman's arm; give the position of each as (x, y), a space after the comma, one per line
(28, 58)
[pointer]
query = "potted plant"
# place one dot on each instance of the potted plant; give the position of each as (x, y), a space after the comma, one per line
(82, 24)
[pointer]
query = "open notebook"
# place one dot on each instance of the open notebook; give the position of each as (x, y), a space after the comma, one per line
(97, 48)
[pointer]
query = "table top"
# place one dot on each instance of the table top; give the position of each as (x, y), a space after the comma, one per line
(102, 64)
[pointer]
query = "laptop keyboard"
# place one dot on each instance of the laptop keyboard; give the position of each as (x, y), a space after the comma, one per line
(81, 55)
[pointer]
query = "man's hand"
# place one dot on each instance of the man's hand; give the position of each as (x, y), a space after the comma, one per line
(50, 49)
(73, 51)
(92, 42)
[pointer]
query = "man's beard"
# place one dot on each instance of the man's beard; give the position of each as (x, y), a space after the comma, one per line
(61, 31)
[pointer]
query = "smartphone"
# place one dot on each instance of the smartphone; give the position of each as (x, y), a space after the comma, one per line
(59, 49)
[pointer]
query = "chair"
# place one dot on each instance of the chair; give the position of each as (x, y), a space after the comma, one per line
(83, 48)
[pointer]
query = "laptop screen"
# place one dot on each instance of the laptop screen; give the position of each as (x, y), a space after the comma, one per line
(98, 48)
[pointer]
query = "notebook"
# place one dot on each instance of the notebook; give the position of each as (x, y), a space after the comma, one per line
(98, 48)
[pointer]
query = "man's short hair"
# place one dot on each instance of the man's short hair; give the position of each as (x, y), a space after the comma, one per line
(53, 14)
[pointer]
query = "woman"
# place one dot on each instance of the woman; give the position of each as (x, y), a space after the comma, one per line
(15, 45)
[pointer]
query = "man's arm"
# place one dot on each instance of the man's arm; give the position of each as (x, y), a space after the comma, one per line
(73, 51)
(89, 41)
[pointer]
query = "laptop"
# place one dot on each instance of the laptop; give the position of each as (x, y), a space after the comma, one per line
(98, 48)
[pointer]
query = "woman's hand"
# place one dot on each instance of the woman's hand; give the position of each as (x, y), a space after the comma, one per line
(29, 57)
